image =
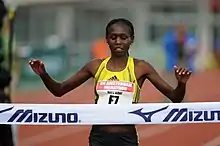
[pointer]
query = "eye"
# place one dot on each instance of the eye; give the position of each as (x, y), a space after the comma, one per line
(124, 37)
(113, 37)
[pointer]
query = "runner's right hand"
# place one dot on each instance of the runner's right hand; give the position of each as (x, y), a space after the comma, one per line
(37, 66)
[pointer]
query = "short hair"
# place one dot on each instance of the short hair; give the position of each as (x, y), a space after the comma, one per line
(122, 21)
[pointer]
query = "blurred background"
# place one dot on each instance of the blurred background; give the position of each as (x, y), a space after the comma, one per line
(66, 34)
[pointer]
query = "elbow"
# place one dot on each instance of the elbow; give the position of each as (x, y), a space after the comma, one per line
(58, 94)
(176, 99)
(59, 91)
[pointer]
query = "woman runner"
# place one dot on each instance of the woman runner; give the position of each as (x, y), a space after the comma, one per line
(120, 70)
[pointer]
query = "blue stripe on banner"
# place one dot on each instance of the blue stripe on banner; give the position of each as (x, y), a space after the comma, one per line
(89, 114)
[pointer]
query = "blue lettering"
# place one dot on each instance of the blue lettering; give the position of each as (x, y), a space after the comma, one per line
(28, 116)
(198, 116)
(211, 116)
(190, 116)
(42, 117)
(179, 113)
(184, 115)
(56, 118)
(23, 114)
(72, 118)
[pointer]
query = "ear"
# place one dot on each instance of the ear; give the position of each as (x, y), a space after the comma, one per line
(132, 40)
(106, 40)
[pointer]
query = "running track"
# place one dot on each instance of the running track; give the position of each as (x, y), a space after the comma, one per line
(201, 87)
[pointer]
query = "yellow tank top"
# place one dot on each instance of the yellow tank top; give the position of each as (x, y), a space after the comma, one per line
(116, 87)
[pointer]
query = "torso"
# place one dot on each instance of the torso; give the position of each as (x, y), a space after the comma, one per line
(117, 86)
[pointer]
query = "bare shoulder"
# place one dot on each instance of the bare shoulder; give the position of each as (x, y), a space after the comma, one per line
(142, 64)
(139, 62)
(93, 65)
(95, 62)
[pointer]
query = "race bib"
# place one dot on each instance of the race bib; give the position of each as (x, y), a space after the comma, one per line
(115, 92)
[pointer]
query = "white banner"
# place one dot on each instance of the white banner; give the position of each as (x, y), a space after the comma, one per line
(89, 114)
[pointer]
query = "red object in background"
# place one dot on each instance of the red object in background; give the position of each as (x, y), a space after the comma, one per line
(215, 5)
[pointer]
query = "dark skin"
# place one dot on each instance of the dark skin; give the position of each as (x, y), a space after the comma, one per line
(119, 41)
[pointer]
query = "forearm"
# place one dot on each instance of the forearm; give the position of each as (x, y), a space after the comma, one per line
(178, 93)
(54, 87)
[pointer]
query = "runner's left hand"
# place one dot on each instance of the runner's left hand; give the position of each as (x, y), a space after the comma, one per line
(182, 74)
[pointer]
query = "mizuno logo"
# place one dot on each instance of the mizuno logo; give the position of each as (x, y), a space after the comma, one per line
(5, 110)
(29, 116)
(147, 115)
(184, 115)
(180, 115)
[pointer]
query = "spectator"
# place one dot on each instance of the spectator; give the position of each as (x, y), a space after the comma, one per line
(180, 48)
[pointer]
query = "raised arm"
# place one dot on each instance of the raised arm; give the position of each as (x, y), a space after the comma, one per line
(175, 95)
(58, 89)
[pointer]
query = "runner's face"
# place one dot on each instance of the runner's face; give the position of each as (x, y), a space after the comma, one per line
(119, 39)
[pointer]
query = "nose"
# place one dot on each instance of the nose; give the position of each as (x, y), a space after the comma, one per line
(118, 40)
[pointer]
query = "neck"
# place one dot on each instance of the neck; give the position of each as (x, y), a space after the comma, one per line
(119, 58)
(117, 63)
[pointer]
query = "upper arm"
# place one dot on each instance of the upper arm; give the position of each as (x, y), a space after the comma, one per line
(85, 73)
(153, 76)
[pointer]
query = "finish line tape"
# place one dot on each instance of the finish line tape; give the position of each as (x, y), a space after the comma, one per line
(91, 114)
